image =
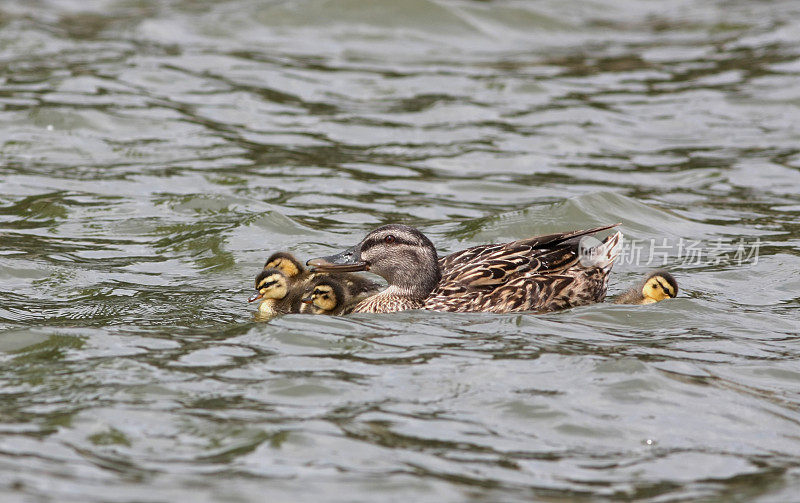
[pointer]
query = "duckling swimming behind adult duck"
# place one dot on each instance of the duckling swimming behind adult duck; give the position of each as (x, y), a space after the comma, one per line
(657, 286)
(542, 273)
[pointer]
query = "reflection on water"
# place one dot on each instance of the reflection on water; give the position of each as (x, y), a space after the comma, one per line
(154, 153)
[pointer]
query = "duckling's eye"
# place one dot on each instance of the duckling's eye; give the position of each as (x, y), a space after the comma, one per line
(388, 239)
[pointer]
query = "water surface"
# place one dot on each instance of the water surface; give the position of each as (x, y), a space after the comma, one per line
(154, 153)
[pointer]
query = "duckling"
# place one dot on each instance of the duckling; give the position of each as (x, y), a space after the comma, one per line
(325, 295)
(542, 273)
(284, 281)
(289, 265)
(335, 294)
(272, 285)
(657, 286)
(355, 287)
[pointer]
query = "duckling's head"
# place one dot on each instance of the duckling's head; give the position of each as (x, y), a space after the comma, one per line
(286, 263)
(659, 285)
(404, 256)
(324, 296)
(270, 284)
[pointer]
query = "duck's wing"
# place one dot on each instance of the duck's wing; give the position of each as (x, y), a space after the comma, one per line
(523, 293)
(560, 274)
(489, 266)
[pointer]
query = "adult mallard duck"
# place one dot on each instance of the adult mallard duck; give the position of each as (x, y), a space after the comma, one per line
(543, 273)
(656, 286)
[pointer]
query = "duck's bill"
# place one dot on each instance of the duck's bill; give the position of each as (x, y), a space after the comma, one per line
(306, 300)
(321, 265)
(347, 261)
(325, 264)
(255, 297)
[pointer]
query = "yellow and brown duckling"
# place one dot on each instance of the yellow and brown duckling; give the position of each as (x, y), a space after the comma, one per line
(274, 292)
(657, 286)
(335, 294)
(325, 295)
(542, 273)
(300, 276)
(289, 265)
(284, 281)
(356, 287)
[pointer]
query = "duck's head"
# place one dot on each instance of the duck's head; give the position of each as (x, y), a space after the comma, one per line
(323, 296)
(286, 263)
(271, 283)
(401, 254)
(659, 285)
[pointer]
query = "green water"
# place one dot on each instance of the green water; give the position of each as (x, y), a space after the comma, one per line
(153, 153)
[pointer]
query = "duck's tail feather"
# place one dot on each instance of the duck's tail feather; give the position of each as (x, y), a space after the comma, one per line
(600, 254)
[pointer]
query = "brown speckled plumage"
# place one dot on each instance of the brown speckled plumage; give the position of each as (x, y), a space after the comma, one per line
(543, 273)
(387, 301)
(538, 274)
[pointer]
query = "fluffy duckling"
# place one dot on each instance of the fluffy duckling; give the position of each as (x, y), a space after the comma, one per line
(657, 286)
(298, 275)
(325, 295)
(284, 281)
(272, 289)
(356, 287)
(289, 265)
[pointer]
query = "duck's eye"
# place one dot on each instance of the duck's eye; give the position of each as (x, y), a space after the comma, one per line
(389, 239)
